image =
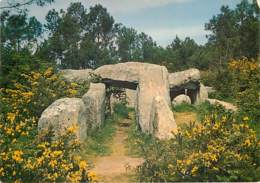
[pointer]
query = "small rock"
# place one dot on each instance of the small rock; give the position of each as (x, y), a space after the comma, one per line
(180, 99)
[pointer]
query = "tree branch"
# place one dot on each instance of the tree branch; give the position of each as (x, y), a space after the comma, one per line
(17, 5)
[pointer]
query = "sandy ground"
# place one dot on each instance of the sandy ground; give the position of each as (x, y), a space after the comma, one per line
(117, 167)
(185, 117)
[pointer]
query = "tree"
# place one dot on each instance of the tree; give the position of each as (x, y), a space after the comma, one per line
(79, 39)
(235, 33)
(128, 45)
(182, 54)
(18, 5)
(224, 35)
(19, 41)
(18, 31)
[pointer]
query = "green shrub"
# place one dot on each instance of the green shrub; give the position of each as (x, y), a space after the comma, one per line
(220, 148)
(98, 140)
(121, 110)
(246, 76)
(184, 108)
(24, 155)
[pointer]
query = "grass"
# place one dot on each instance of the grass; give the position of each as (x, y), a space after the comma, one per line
(217, 95)
(190, 111)
(97, 143)
(184, 108)
(121, 110)
(256, 127)
(137, 141)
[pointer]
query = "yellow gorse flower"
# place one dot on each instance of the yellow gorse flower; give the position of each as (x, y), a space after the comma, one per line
(83, 165)
(72, 129)
(93, 176)
(246, 118)
(17, 156)
(11, 117)
(48, 72)
(53, 163)
(247, 142)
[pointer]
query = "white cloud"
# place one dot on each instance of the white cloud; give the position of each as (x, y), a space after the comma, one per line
(125, 6)
(258, 2)
(165, 35)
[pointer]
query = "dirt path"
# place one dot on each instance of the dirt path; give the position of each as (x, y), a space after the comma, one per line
(118, 166)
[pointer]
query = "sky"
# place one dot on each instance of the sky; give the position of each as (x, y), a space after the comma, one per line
(160, 19)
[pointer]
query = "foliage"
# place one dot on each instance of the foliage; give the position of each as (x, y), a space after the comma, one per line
(184, 108)
(221, 148)
(245, 86)
(121, 110)
(137, 142)
(78, 39)
(18, 31)
(25, 156)
(18, 5)
(238, 82)
(98, 140)
(235, 32)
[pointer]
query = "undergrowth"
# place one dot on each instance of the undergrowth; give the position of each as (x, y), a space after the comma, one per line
(98, 141)
(137, 141)
(201, 110)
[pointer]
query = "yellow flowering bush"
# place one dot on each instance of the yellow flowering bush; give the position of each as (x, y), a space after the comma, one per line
(24, 155)
(220, 148)
(246, 86)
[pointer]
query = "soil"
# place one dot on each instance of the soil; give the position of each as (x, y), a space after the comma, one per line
(185, 117)
(118, 166)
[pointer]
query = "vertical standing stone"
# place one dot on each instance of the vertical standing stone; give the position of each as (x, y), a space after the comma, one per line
(94, 101)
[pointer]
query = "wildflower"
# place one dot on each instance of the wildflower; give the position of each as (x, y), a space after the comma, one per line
(92, 176)
(48, 72)
(17, 156)
(188, 162)
(194, 170)
(29, 165)
(72, 92)
(4, 156)
(74, 176)
(74, 84)
(9, 131)
(36, 76)
(11, 117)
(216, 126)
(72, 129)
(25, 133)
(56, 153)
(53, 163)
(246, 118)
(247, 143)
(2, 173)
(83, 165)
(170, 166)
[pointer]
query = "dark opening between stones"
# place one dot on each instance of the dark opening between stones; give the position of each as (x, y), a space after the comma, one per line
(120, 84)
(192, 90)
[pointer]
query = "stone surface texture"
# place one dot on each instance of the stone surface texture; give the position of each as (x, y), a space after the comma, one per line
(180, 78)
(180, 99)
(152, 81)
(78, 76)
(202, 94)
(95, 103)
(226, 105)
(62, 114)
